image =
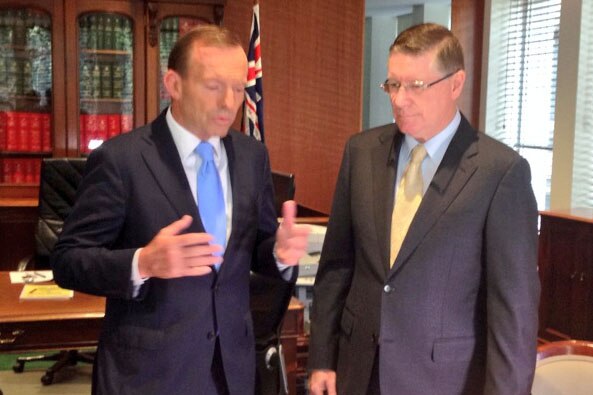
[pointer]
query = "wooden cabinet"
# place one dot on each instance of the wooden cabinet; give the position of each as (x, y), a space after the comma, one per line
(74, 73)
(566, 273)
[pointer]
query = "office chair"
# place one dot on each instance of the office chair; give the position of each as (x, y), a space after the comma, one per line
(284, 189)
(269, 299)
(57, 191)
(564, 368)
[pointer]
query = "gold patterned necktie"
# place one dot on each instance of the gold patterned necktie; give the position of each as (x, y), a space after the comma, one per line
(407, 200)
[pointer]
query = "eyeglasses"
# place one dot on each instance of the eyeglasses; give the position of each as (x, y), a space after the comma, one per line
(414, 87)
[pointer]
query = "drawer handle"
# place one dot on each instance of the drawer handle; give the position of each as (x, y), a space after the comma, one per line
(10, 340)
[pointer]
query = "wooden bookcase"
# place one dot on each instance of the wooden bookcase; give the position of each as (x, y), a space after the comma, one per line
(76, 82)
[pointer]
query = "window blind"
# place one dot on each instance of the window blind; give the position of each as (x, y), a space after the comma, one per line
(522, 83)
(582, 183)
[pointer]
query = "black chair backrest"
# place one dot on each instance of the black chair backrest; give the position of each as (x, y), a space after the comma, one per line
(269, 300)
(60, 178)
(284, 189)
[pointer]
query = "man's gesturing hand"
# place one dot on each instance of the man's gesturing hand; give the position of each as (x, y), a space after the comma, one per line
(291, 239)
(171, 254)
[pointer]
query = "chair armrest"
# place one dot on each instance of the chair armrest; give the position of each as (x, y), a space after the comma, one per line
(24, 262)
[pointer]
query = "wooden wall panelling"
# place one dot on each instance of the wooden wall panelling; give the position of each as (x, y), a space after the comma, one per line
(467, 23)
(312, 58)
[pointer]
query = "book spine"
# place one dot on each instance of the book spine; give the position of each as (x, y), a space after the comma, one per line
(46, 144)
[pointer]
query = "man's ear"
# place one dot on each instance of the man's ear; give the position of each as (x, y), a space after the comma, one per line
(172, 82)
(458, 80)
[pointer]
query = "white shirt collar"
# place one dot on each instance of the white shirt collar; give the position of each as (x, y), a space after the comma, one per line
(186, 142)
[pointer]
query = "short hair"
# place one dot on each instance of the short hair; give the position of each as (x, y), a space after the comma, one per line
(419, 39)
(206, 35)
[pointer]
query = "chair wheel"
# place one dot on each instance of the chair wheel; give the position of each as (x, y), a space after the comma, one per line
(18, 367)
(47, 378)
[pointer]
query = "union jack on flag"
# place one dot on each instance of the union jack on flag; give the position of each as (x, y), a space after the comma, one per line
(253, 108)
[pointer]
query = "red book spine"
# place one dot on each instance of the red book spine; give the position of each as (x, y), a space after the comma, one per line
(18, 171)
(37, 170)
(46, 132)
(102, 127)
(24, 127)
(83, 142)
(91, 130)
(7, 171)
(113, 125)
(127, 122)
(29, 170)
(12, 133)
(2, 171)
(2, 133)
(35, 132)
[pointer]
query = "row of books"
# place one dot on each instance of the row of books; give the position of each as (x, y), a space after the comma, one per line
(96, 128)
(20, 170)
(25, 131)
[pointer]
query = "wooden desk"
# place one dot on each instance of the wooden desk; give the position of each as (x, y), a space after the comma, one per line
(40, 325)
(76, 323)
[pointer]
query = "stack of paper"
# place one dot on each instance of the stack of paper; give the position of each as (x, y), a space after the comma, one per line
(45, 292)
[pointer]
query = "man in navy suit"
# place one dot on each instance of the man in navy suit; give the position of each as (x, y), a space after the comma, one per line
(177, 317)
(455, 310)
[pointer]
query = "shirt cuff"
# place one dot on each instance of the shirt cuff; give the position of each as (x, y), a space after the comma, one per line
(285, 270)
(137, 281)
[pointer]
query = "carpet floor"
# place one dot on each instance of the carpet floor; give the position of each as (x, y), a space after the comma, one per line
(74, 380)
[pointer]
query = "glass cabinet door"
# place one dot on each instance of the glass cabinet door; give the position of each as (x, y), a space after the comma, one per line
(171, 29)
(25, 93)
(105, 77)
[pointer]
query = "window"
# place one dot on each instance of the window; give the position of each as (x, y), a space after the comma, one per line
(521, 90)
(582, 176)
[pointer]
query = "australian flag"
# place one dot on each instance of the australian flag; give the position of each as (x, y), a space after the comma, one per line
(253, 115)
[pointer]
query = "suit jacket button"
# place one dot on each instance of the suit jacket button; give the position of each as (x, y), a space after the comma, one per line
(388, 289)
(210, 335)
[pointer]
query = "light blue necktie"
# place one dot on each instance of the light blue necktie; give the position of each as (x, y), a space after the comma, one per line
(210, 197)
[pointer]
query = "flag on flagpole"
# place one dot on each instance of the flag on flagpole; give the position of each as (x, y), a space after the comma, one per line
(253, 108)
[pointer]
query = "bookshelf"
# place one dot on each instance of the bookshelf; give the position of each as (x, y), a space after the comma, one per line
(76, 73)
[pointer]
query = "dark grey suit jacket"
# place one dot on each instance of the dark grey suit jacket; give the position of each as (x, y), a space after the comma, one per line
(161, 342)
(457, 313)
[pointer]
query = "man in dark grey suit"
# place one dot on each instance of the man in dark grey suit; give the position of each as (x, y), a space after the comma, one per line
(177, 319)
(455, 310)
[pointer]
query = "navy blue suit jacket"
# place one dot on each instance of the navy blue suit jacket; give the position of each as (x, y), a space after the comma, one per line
(161, 342)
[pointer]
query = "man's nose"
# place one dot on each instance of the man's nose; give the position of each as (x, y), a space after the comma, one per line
(228, 98)
(399, 97)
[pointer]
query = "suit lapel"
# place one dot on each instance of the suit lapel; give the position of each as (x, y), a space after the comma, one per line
(232, 160)
(162, 158)
(456, 168)
(383, 176)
